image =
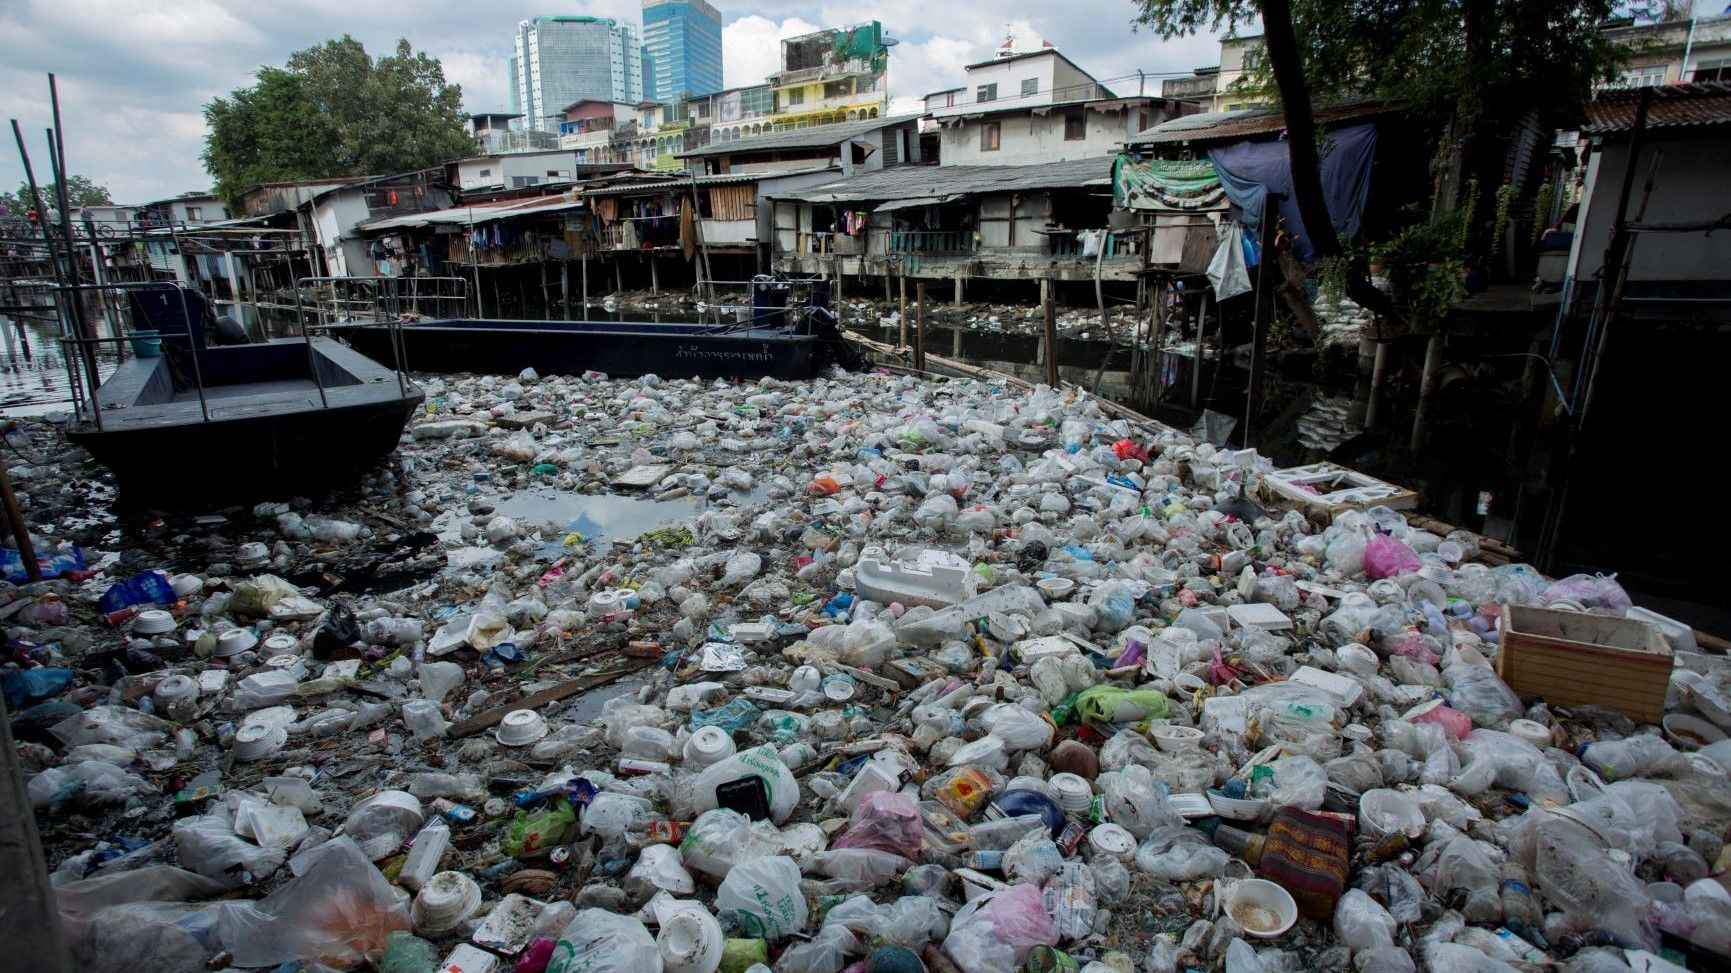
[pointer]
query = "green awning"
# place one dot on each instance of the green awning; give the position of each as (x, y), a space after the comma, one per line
(1154, 184)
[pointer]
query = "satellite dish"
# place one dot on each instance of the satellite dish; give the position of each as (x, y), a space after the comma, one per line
(890, 41)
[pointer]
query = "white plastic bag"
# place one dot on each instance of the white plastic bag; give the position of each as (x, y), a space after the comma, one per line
(721, 838)
(598, 941)
(762, 762)
(764, 894)
(1361, 922)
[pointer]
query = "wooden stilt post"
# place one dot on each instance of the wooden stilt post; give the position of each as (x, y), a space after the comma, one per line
(958, 290)
(1049, 339)
(920, 326)
(1433, 352)
(20, 529)
(902, 315)
(1378, 372)
(1196, 363)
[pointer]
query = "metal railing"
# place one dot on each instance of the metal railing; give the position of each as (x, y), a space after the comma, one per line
(393, 297)
(923, 241)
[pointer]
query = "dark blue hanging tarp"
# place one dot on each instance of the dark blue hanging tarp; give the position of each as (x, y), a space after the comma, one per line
(1251, 170)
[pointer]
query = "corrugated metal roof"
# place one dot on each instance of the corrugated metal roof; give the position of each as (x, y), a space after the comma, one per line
(1230, 126)
(915, 182)
(464, 215)
(725, 179)
(815, 137)
(1674, 106)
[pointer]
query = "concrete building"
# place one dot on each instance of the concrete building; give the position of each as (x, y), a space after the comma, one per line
(682, 39)
(1674, 52)
(740, 113)
(1227, 86)
(830, 76)
(560, 60)
(514, 170)
(862, 146)
(494, 133)
(1028, 107)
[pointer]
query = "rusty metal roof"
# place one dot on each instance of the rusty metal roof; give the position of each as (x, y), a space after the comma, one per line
(1231, 126)
(1674, 106)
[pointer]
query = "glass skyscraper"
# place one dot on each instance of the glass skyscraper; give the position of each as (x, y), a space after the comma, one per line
(563, 60)
(683, 39)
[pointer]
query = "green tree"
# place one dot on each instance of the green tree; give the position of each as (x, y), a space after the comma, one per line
(80, 191)
(334, 110)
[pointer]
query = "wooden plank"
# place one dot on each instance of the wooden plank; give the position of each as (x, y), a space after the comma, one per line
(491, 718)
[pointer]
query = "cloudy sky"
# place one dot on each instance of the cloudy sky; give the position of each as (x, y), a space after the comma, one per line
(134, 75)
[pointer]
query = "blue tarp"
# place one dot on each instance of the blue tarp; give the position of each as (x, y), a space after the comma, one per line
(1251, 170)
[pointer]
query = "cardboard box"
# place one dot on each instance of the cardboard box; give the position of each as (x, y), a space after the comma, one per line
(1576, 659)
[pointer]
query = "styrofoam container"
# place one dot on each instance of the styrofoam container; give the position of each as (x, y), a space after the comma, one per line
(1238, 808)
(1072, 792)
(934, 578)
(520, 727)
(1055, 589)
(444, 902)
(690, 941)
(1174, 739)
(1263, 908)
(707, 745)
(1690, 732)
(1532, 731)
(233, 642)
(153, 621)
(1112, 841)
(1346, 691)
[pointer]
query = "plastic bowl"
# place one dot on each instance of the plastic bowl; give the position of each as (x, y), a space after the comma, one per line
(153, 621)
(520, 727)
(1055, 588)
(1691, 732)
(1238, 808)
(233, 642)
(1264, 909)
(1174, 739)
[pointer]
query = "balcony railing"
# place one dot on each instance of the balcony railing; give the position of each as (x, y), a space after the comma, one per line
(930, 242)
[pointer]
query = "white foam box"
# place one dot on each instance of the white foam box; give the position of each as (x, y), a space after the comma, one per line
(1033, 650)
(469, 959)
(1259, 615)
(1346, 691)
(871, 776)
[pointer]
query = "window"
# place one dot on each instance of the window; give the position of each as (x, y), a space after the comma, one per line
(986, 92)
(1643, 77)
(796, 96)
(1075, 126)
(1253, 58)
(1715, 69)
(486, 172)
(194, 213)
(1030, 86)
(989, 137)
(838, 89)
(552, 173)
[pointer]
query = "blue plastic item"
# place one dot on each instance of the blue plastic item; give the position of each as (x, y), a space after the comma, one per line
(733, 717)
(22, 687)
(53, 565)
(149, 588)
(1015, 804)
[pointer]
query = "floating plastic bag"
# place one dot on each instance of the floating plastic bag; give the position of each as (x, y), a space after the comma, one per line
(1019, 728)
(207, 844)
(887, 821)
(762, 762)
(598, 941)
(1180, 854)
(1476, 691)
(764, 895)
(1385, 557)
(539, 831)
(1361, 923)
(722, 838)
(1111, 704)
(1596, 593)
(994, 933)
(338, 913)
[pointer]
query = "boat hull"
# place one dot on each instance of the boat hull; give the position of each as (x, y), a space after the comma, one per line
(248, 458)
(572, 348)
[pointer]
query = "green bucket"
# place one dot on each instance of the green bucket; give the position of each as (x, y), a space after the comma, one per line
(145, 344)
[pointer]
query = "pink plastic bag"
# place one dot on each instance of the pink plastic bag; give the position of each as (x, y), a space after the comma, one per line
(994, 933)
(1594, 592)
(885, 821)
(1385, 557)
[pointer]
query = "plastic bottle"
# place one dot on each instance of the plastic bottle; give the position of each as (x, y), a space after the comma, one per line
(425, 854)
(1518, 904)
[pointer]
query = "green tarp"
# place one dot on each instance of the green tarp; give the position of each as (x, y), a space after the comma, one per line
(1139, 183)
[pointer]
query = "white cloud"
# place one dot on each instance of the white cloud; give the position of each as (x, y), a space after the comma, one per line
(751, 47)
(135, 74)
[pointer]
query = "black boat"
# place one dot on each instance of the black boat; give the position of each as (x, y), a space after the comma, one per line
(215, 417)
(779, 339)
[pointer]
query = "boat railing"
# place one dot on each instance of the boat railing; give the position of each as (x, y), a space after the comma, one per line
(389, 298)
(81, 348)
(796, 311)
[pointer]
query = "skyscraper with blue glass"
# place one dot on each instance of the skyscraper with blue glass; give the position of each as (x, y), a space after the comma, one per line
(683, 39)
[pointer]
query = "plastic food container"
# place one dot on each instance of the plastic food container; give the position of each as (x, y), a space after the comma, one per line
(1173, 739)
(1264, 909)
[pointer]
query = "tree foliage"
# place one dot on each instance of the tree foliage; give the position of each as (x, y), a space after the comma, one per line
(1491, 59)
(333, 111)
(80, 191)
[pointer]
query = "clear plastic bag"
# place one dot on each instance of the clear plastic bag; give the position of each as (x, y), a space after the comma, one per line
(1361, 923)
(1476, 691)
(721, 838)
(339, 913)
(827, 952)
(698, 792)
(994, 933)
(1299, 782)
(887, 821)
(910, 921)
(1019, 728)
(1645, 755)
(1180, 854)
(207, 844)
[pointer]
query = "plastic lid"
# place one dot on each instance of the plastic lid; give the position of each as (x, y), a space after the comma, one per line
(1113, 841)
(708, 745)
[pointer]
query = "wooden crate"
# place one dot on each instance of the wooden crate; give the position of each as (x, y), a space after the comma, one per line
(1574, 659)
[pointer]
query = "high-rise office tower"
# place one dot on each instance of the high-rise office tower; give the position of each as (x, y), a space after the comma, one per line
(562, 60)
(683, 39)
